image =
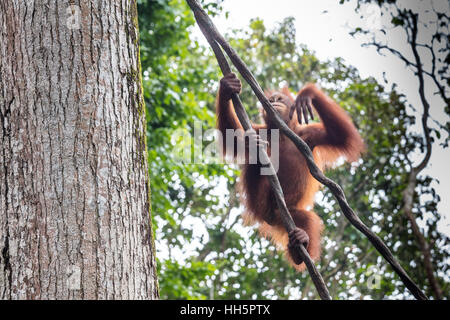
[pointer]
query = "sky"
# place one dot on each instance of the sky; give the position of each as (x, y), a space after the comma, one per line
(323, 26)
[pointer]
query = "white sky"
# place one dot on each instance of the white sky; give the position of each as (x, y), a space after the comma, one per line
(324, 27)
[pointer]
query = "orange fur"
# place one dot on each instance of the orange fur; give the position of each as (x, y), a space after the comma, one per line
(334, 137)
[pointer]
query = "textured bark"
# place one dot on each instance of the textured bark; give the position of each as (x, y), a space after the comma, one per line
(74, 186)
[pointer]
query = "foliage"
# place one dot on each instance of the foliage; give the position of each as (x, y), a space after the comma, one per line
(203, 249)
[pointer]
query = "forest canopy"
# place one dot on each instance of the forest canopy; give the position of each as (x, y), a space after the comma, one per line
(203, 250)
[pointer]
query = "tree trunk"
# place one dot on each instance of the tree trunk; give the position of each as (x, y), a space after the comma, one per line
(408, 198)
(74, 186)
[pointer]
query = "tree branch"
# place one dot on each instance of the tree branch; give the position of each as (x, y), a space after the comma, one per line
(395, 52)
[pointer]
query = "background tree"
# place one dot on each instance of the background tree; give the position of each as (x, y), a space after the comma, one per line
(425, 50)
(178, 76)
(74, 186)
